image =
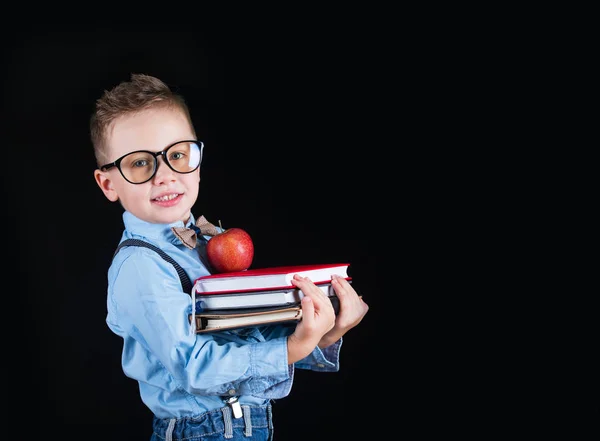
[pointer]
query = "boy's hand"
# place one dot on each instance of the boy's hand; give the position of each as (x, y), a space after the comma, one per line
(352, 311)
(318, 318)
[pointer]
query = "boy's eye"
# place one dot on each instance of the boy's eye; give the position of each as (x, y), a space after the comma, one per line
(139, 160)
(140, 163)
(177, 155)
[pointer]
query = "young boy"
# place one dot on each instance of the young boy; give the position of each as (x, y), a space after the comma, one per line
(219, 383)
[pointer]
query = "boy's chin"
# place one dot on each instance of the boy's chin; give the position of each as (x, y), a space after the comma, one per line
(162, 216)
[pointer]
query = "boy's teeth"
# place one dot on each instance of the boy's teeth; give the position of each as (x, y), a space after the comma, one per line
(167, 198)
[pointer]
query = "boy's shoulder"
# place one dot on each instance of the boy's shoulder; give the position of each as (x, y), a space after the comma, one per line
(131, 260)
(128, 251)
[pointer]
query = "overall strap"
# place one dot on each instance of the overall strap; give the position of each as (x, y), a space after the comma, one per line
(183, 277)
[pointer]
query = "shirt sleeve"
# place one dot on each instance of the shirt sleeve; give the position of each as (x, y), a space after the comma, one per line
(320, 360)
(148, 308)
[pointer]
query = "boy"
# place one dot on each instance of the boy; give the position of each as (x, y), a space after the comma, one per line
(220, 383)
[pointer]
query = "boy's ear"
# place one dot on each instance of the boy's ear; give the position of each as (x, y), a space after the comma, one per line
(106, 185)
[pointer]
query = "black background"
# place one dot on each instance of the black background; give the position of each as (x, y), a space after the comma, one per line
(290, 156)
(324, 150)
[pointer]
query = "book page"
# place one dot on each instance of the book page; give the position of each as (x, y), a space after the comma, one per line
(252, 320)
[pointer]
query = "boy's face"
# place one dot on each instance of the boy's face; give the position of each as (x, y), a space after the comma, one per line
(168, 196)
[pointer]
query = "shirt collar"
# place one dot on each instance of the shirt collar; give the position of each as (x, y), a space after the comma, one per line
(158, 232)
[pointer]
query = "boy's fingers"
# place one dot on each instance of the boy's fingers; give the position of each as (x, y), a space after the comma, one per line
(309, 289)
(306, 285)
(341, 286)
(308, 308)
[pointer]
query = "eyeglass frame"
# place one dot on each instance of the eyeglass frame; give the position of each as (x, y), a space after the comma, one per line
(117, 162)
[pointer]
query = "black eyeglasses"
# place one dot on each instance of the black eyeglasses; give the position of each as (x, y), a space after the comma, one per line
(140, 166)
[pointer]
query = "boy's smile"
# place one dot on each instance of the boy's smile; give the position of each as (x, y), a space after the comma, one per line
(168, 196)
(168, 200)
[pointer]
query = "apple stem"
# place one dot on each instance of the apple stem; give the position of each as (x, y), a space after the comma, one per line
(220, 226)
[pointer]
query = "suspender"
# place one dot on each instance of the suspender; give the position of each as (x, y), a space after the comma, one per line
(186, 284)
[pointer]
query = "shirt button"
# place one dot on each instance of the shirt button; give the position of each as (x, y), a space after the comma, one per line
(321, 365)
(231, 391)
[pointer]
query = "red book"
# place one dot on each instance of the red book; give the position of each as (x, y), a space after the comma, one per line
(259, 297)
(265, 279)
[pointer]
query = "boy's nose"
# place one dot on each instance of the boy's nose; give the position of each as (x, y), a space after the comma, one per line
(164, 173)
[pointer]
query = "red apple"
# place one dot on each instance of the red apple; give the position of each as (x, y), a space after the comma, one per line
(231, 250)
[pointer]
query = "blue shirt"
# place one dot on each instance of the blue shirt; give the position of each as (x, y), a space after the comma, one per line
(181, 373)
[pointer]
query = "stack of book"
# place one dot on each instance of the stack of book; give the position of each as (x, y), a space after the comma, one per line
(258, 296)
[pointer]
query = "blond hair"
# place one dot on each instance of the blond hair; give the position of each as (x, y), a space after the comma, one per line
(142, 92)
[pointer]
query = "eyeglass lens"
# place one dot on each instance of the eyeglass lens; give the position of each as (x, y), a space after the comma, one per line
(183, 157)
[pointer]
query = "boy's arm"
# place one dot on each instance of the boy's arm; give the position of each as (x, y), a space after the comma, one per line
(325, 357)
(150, 311)
(324, 354)
(352, 310)
(318, 318)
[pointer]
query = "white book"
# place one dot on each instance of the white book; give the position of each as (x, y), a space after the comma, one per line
(279, 297)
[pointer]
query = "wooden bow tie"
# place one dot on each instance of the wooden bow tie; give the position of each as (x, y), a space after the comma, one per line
(189, 236)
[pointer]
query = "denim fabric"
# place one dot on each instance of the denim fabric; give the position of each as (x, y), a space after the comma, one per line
(182, 374)
(255, 425)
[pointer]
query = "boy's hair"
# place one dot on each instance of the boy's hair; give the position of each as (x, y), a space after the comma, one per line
(127, 98)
